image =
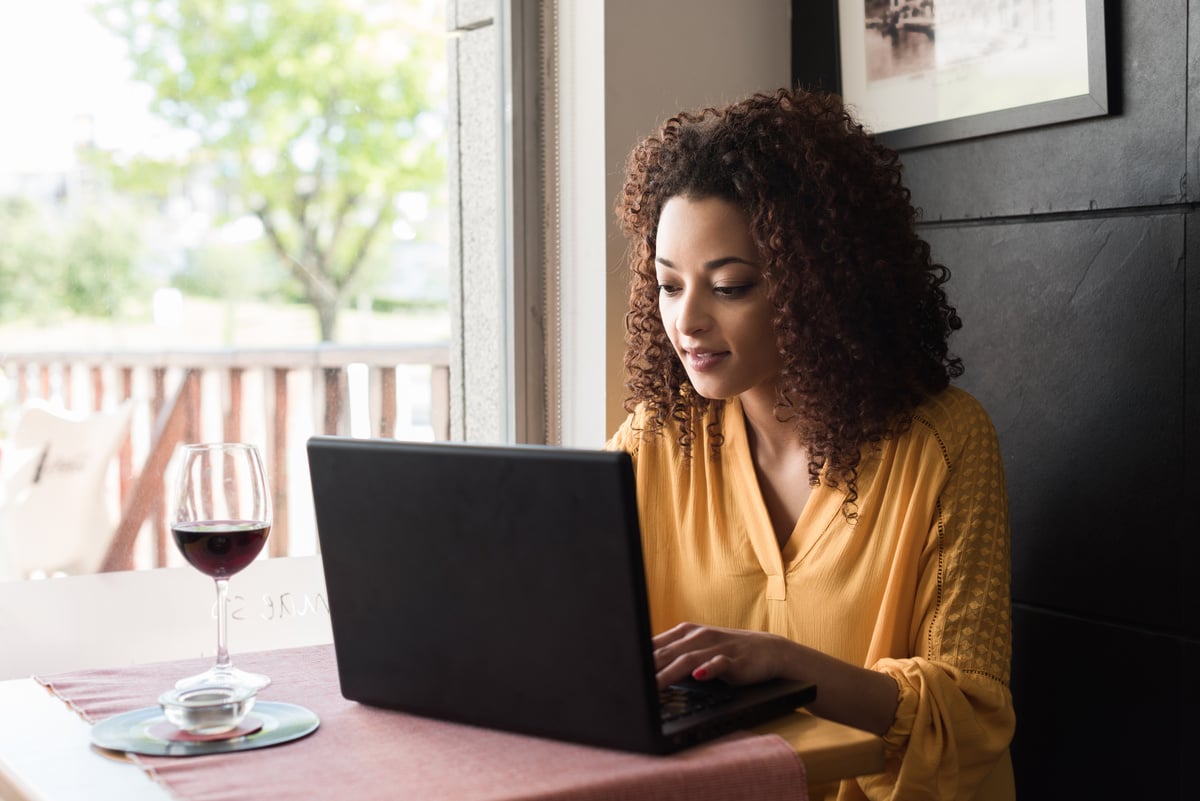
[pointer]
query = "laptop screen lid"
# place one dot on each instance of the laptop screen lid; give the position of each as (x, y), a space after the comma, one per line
(501, 586)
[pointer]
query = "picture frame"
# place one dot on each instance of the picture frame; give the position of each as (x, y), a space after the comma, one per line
(924, 72)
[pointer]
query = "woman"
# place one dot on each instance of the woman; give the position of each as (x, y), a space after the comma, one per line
(820, 503)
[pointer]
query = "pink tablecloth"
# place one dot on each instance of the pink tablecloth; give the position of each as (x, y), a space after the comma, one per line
(363, 753)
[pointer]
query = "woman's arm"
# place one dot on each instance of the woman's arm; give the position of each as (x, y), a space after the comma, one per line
(865, 699)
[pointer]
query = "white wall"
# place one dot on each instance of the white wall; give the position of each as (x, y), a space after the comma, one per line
(625, 66)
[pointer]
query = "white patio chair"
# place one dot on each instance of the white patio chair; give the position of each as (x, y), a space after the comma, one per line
(57, 514)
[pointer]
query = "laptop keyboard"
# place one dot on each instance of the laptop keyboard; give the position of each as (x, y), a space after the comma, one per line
(689, 696)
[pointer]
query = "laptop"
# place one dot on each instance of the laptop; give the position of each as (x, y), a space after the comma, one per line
(503, 586)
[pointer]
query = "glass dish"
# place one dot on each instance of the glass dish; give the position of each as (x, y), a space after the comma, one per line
(207, 709)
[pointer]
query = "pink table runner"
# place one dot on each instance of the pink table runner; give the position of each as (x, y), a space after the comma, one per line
(360, 752)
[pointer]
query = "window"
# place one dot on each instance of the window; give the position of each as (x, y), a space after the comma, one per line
(255, 190)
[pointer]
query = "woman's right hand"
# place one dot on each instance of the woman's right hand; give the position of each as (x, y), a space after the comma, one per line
(865, 699)
(708, 652)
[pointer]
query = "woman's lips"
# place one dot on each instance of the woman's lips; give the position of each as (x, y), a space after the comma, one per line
(702, 361)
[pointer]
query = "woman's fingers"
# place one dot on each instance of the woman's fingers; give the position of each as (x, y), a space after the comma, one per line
(675, 634)
(677, 654)
(706, 652)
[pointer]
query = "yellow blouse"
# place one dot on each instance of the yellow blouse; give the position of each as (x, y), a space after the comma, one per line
(917, 587)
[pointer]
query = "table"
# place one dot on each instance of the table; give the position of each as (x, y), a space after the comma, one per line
(127, 619)
(45, 752)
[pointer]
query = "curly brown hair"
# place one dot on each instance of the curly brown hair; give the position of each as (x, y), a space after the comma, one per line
(861, 320)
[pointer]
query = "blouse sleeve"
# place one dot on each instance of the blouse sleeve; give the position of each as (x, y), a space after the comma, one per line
(955, 717)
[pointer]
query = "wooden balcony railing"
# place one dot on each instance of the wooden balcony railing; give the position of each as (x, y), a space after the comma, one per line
(273, 398)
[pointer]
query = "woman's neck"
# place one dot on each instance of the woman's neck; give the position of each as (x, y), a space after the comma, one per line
(780, 463)
(769, 437)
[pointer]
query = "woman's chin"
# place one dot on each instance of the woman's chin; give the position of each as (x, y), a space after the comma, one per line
(711, 390)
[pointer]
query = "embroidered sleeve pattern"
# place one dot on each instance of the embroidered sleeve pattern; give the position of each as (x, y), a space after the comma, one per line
(974, 632)
(955, 718)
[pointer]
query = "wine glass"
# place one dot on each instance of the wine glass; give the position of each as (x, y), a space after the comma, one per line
(220, 525)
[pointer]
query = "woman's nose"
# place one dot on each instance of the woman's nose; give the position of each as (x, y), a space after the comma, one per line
(693, 315)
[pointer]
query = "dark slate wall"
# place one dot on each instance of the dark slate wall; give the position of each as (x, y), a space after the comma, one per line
(1075, 256)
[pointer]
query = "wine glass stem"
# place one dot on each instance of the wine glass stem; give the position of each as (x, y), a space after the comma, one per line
(223, 662)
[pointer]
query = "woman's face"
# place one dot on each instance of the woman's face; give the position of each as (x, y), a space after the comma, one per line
(713, 298)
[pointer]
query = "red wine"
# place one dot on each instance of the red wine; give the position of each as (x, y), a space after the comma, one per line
(220, 548)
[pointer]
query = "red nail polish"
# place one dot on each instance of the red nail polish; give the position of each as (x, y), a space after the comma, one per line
(700, 673)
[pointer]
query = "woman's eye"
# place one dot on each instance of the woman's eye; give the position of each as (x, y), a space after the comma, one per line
(732, 291)
(668, 289)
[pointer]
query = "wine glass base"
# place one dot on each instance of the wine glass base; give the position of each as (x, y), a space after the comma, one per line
(225, 676)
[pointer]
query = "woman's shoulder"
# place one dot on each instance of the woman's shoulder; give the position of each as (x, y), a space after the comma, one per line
(956, 420)
(639, 431)
(634, 429)
(953, 407)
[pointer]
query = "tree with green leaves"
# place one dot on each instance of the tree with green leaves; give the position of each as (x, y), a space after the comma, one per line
(50, 262)
(313, 116)
(29, 258)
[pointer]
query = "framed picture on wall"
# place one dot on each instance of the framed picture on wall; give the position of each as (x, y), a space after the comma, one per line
(920, 72)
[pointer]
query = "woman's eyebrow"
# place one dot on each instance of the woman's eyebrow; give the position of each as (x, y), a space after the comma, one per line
(710, 265)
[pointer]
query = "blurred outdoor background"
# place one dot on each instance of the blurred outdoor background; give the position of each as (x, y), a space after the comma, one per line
(224, 176)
